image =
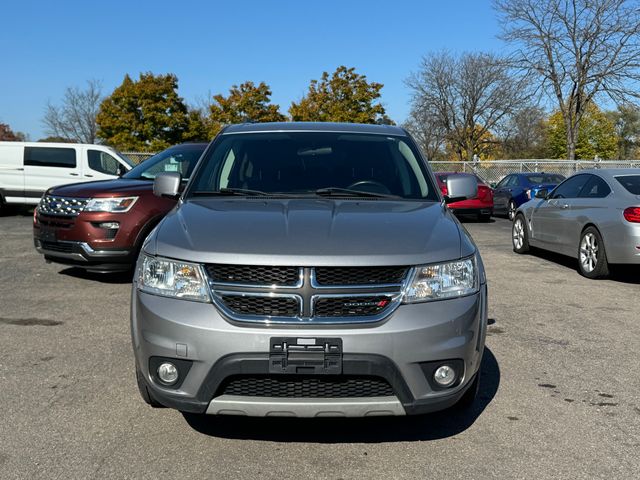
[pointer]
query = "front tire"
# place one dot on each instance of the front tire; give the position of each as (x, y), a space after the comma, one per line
(592, 258)
(520, 235)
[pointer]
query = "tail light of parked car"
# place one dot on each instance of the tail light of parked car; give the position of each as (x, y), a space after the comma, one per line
(484, 193)
(443, 189)
(632, 214)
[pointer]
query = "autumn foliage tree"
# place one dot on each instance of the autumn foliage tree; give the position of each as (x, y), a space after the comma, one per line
(247, 102)
(144, 114)
(345, 96)
(8, 135)
(596, 136)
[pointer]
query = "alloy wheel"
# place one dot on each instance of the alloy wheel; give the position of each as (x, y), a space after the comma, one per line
(518, 234)
(589, 252)
(512, 210)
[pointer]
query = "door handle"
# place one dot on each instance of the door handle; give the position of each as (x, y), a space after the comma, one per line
(87, 175)
(74, 174)
(564, 205)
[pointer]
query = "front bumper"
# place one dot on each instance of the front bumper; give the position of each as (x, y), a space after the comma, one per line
(81, 254)
(395, 349)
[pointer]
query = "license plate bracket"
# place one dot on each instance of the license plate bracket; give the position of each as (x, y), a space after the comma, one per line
(300, 355)
(47, 234)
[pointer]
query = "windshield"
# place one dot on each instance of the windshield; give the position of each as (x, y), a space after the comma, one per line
(299, 163)
(550, 178)
(181, 159)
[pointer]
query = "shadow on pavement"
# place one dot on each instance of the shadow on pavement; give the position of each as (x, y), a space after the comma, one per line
(618, 273)
(114, 278)
(356, 430)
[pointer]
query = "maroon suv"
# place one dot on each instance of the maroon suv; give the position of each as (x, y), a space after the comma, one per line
(100, 226)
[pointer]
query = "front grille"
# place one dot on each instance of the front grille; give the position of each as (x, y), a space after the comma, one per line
(350, 306)
(56, 222)
(262, 305)
(254, 274)
(57, 247)
(329, 276)
(63, 206)
(303, 386)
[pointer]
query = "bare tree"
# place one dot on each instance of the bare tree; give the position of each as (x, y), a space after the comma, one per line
(468, 97)
(75, 118)
(524, 135)
(579, 49)
(427, 132)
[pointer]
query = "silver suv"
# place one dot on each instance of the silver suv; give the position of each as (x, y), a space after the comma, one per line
(310, 269)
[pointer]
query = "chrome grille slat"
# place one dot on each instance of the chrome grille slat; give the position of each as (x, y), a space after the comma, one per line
(61, 206)
(243, 295)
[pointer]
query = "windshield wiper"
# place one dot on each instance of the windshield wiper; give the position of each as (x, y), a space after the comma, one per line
(328, 191)
(231, 191)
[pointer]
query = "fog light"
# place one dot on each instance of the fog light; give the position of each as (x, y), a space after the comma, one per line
(444, 376)
(167, 373)
(109, 225)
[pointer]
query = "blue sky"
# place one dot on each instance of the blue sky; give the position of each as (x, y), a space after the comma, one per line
(48, 46)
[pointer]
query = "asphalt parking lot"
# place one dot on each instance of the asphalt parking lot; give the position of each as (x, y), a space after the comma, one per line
(560, 398)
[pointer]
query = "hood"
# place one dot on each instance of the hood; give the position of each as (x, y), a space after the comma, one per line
(102, 188)
(310, 232)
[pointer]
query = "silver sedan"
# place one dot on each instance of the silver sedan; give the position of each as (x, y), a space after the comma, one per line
(593, 216)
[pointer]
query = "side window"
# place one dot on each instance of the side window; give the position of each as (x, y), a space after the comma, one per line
(50, 157)
(595, 188)
(103, 162)
(571, 187)
(504, 181)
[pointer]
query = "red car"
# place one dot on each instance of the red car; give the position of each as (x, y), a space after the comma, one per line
(481, 206)
(100, 226)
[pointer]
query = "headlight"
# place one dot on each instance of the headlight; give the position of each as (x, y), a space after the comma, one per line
(171, 278)
(110, 204)
(444, 280)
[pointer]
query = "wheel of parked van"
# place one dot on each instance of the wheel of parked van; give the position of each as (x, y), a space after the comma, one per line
(592, 258)
(144, 391)
(511, 212)
(520, 235)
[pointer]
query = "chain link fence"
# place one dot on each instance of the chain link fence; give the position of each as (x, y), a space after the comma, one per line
(492, 171)
(138, 157)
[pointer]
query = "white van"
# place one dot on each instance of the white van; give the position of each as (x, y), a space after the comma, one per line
(28, 169)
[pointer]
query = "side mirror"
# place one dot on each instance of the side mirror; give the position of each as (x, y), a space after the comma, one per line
(167, 184)
(542, 193)
(461, 187)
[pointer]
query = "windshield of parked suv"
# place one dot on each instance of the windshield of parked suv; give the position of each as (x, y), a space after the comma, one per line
(313, 163)
(539, 179)
(181, 159)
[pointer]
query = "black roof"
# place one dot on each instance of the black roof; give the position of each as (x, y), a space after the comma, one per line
(314, 127)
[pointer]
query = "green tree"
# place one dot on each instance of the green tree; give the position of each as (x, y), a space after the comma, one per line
(147, 114)
(57, 139)
(245, 103)
(596, 136)
(346, 96)
(626, 120)
(197, 129)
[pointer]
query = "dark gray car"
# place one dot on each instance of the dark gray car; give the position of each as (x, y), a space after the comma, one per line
(310, 270)
(593, 216)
